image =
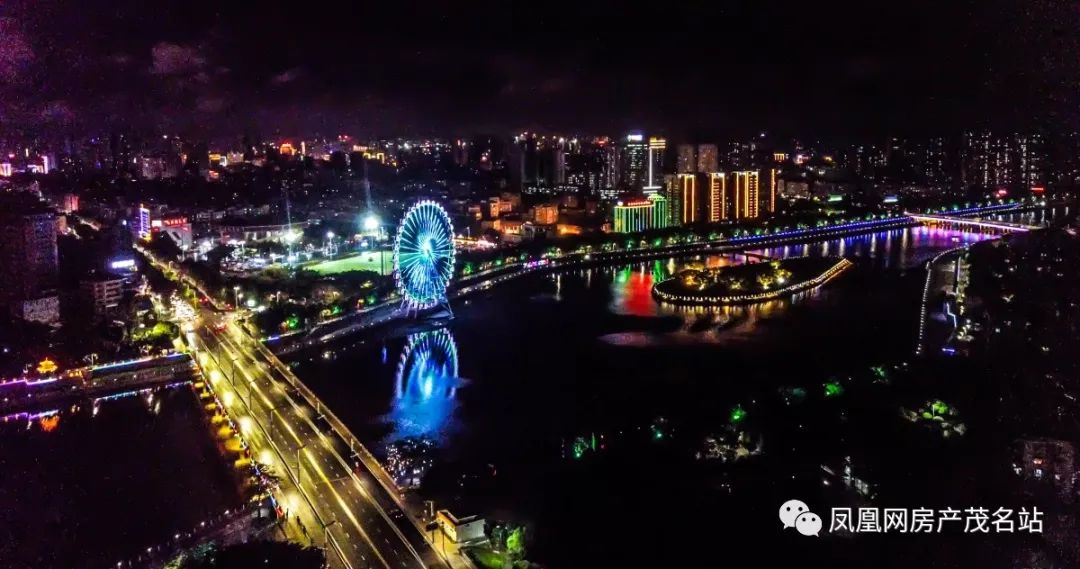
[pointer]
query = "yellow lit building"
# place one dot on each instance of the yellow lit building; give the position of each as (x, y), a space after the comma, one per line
(546, 214)
(746, 194)
(717, 197)
(772, 190)
(688, 203)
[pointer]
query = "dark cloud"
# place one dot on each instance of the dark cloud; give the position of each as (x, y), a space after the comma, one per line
(211, 104)
(287, 76)
(174, 59)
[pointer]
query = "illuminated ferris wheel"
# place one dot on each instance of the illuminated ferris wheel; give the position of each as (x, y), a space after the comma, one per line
(424, 256)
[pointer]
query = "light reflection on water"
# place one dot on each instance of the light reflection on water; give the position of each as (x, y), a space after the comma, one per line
(426, 382)
(631, 285)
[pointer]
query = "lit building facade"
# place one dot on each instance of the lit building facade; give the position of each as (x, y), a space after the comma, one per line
(717, 199)
(140, 224)
(655, 174)
(772, 190)
(641, 214)
(746, 194)
(686, 191)
(546, 214)
(632, 165)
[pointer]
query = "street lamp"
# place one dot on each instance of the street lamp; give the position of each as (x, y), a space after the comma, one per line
(329, 243)
(371, 223)
(236, 296)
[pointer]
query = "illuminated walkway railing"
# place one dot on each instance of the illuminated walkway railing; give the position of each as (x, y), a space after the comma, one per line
(967, 222)
(924, 307)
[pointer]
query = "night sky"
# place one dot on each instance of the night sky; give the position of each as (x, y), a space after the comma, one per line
(687, 69)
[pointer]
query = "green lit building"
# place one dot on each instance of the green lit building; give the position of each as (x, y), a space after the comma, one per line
(641, 214)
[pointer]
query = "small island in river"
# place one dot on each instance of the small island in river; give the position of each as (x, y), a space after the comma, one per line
(750, 282)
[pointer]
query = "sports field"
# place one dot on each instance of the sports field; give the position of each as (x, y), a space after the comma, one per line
(381, 262)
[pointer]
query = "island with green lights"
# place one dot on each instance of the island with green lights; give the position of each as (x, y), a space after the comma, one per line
(750, 282)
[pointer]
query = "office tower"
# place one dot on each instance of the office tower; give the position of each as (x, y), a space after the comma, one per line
(608, 155)
(746, 194)
(686, 159)
(718, 210)
(688, 199)
(657, 147)
(708, 159)
(640, 214)
(28, 259)
(633, 160)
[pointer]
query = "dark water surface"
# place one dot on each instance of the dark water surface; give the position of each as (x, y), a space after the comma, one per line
(526, 369)
(86, 488)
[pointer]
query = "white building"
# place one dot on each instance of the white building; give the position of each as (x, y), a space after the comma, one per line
(460, 530)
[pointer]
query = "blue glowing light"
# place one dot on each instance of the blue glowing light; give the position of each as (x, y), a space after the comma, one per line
(426, 383)
(424, 255)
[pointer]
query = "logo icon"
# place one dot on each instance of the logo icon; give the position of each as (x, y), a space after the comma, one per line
(808, 524)
(796, 514)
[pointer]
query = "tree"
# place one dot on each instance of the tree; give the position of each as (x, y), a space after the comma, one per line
(515, 543)
(164, 246)
(215, 255)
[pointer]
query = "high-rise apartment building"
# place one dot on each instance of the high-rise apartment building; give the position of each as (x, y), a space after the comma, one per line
(746, 194)
(686, 209)
(28, 259)
(708, 158)
(717, 199)
(990, 161)
(685, 159)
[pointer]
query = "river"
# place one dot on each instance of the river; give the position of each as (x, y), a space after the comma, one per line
(528, 369)
(89, 485)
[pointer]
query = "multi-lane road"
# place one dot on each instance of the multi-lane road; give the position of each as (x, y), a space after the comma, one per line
(341, 500)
